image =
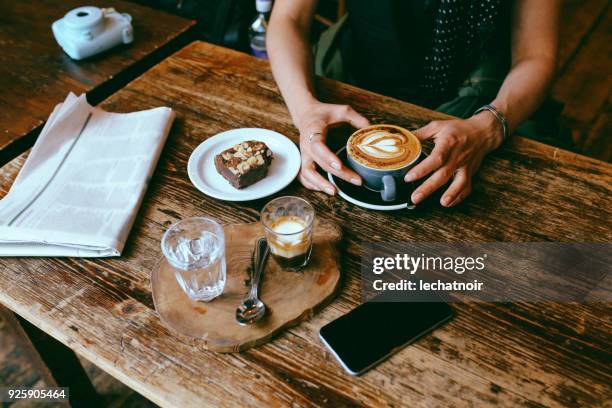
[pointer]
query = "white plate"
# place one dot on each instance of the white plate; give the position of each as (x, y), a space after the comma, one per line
(284, 168)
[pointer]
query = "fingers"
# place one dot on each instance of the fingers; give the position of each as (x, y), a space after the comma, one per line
(317, 126)
(331, 163)
(434, 161)
(312, 180)
(451, 149)
(462, 196)
(345, 113)
(460, 188)
(307, 183)
(313, 146)
(428, 131)
(434, 182)
(305, 180)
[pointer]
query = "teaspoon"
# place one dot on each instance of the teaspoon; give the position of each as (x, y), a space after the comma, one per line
(253, 309)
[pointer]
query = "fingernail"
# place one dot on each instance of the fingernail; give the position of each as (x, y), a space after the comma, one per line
(446, 200)
(410, 177)
(356, 181)
(417, 197)
(335, 165)
(329, 191)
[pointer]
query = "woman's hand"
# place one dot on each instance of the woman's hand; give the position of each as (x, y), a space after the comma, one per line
(460, 147)
(313, 122)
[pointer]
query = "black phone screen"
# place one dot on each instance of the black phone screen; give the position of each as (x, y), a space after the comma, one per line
(373, 331)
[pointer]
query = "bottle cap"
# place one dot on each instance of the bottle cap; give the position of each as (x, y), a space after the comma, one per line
(263, 6)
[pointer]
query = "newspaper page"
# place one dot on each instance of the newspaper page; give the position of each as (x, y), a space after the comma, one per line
(80, 189)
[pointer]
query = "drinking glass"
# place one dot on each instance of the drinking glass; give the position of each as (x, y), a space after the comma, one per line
(195, 248)
(288, 224)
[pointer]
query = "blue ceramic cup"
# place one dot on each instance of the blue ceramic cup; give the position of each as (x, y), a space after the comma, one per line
(385, 180)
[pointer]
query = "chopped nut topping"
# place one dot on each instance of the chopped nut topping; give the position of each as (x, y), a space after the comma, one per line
(243, 167)
(241, 160)
(252, 160)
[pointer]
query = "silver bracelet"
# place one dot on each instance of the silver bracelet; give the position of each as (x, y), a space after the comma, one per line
(499, 116)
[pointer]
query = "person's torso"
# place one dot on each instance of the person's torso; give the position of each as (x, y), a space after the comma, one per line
(402, 47)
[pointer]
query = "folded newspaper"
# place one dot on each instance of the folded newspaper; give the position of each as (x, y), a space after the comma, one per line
(80, 188)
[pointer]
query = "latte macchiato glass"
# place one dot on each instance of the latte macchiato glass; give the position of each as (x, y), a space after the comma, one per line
(382, 155)
(288, 224)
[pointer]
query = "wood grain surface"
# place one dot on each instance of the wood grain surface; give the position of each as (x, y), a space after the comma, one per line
(35, 74)
(510, 354)
(290, 297)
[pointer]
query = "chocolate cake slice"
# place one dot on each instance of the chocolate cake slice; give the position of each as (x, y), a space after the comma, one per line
(245, 163)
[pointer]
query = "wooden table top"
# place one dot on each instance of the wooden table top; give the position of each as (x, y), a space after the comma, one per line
(35, 74)
(507, 354)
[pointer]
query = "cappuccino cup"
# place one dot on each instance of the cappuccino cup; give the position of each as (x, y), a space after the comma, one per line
(382, 155)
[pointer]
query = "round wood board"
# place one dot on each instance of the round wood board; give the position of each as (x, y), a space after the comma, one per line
(290, 297)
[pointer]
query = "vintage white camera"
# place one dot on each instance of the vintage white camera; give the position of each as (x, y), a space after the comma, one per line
(86, 31)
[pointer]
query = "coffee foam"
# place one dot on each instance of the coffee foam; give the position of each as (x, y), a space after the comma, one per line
(383, 147)
(288, 226)
(291, 238)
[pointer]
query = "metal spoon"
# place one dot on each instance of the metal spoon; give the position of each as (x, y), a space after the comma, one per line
(253, 309)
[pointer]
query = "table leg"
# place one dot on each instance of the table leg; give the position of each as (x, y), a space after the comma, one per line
(58, 364)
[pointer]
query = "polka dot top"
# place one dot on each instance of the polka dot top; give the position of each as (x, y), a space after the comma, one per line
(421, 50)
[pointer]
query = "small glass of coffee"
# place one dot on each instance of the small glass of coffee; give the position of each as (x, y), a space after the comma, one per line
(288, 224)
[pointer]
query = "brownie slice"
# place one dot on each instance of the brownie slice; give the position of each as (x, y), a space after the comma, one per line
(245, 163)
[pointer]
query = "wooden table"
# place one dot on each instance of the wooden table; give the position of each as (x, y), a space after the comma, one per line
(506, 354)
(35, 74)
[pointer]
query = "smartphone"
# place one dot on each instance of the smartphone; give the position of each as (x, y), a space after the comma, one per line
(373, 331)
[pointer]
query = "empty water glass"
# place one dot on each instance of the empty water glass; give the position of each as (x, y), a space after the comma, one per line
(195, 248)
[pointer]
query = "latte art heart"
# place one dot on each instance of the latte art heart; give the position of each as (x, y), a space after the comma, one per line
(381, 144)
(384, 147)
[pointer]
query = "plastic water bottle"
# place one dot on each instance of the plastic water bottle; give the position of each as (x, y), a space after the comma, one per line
(259, 29)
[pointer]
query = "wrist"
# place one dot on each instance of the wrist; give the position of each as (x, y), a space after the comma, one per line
(491, 129)
(502, 108)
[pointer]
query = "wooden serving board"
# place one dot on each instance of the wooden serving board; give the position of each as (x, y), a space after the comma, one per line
(290, 297)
